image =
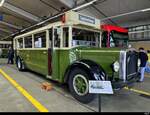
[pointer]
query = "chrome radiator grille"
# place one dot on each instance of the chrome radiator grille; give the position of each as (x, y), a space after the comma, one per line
(122, 72)
(132, 64)
(128, 65)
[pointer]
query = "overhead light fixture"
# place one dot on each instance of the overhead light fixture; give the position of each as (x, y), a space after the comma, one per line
(145, 10)
(2, 2)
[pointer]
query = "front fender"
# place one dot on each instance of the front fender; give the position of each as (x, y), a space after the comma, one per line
(95, 71)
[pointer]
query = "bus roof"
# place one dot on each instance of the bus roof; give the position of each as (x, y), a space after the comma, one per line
(112, 27)
(69, 18)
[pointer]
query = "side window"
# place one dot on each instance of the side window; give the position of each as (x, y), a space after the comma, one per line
(28, 42)
(20, 43)
(57, 36)
(104, 39)
(65, 37)
(50, 38)
(40, 40)
(1, 46)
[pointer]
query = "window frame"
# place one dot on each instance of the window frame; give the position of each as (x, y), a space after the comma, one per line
(46, 38)
(31, 39)
(87, 29)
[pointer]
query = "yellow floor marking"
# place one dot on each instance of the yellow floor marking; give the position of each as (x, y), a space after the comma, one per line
(137, 91)
(36, 104)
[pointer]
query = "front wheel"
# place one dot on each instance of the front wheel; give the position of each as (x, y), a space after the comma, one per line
(79, 85)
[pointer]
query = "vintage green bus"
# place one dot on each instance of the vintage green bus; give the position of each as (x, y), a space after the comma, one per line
(70, 51)
(4, 46)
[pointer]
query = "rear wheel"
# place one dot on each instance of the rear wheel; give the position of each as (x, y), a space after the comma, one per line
(19, 64)
(79, 85)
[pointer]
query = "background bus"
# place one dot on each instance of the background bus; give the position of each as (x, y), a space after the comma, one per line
(114, 36)
(4, 45)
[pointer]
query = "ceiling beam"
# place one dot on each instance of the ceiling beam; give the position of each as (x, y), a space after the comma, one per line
(10, 25)
(99, 11)
(6, 30)
(20, 11)
(1, 35)
(68, 3)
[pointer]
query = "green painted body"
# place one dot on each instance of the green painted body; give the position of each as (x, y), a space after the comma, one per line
(37, 60)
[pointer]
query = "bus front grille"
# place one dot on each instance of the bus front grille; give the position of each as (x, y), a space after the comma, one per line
(131, 64)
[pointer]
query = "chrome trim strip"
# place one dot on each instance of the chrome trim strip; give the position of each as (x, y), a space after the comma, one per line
(131, 74)
(122, 72)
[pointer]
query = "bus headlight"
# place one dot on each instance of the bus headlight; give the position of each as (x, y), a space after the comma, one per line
(139, 62)
(116, 66)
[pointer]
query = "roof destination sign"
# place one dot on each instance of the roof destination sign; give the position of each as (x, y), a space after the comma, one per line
(75, 18)
(86, 19)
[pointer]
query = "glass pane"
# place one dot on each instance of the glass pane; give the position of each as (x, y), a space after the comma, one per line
(28, 42)
(118, 39)
(57, 35)
(65, 37)
(83, 37)
(50, 38)
(20, 43)
(104, 39)
(40, 40)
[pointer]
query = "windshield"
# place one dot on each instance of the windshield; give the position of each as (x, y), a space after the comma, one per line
(81, 37)
(118, 39)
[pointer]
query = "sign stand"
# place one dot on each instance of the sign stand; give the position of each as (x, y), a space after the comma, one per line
(100, 87)
(99, 103)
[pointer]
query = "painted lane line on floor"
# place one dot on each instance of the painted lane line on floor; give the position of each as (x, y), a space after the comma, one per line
(35, 103)
(137, 91)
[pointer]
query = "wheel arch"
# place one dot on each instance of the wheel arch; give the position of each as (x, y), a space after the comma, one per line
(89, 66)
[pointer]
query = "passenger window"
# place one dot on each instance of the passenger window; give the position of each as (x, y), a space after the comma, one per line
(40, 40)
(65, 37)
(28, 42)
(20, 43)
(104, 39)
(57, 35)
(82, 37)
(1, 45)
(50, 38)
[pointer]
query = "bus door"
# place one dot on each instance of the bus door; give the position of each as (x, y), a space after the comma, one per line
(50, 49)
(57, 32)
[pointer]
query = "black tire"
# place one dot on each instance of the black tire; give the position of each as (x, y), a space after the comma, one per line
(86, 97)
(19, 64)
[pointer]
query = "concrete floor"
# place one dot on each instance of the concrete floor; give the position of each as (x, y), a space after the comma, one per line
(60, 100)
